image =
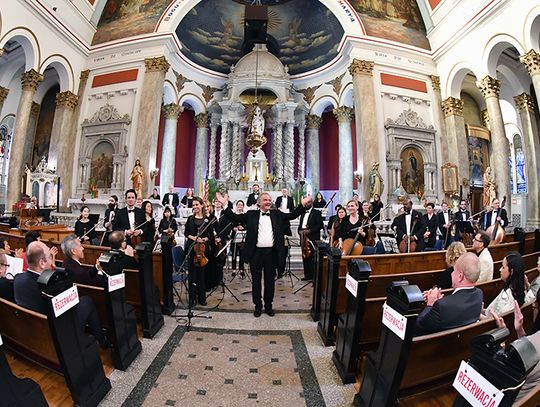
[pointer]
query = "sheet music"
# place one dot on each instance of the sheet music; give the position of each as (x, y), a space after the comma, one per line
(15, 265)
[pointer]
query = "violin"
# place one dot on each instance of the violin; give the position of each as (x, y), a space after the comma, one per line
(370, 238)
(199, 260)
(306, 246)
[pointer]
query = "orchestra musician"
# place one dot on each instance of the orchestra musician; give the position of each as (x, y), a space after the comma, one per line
(237, 246)
(167, 224)
(432, 224)
(171, 199)
(410, 224)
(211, 277)
(444, 219)
(463, 221)
(198, 230)
(127, 219)
(496, 213)
(341, 213)
(85, 227)
(254, 196)
(351, 226)
(309, 227)
(376, 207)
(149, 227)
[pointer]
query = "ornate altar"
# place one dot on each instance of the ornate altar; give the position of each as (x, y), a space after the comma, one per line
(43, 184)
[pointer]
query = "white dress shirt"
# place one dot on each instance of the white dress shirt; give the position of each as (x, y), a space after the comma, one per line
(305, 219)
(408, 218)
(265, 236)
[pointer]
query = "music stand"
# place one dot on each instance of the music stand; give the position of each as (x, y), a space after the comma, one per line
(288, 271)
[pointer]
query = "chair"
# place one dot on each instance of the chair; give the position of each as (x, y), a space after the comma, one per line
(180, 271)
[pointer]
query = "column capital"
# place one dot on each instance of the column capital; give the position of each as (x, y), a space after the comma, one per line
(489, 86)
(31, 79)
(531, 60)
(314, 121)
(34, 110)
(84, 75)
(436, 83)
(344, 114)
(156, 64)
(67, 99)
(484, 119)
(452, 106)
(3, 94)
(361, 67)
(172, 111)
(524, 102)
(201, 120)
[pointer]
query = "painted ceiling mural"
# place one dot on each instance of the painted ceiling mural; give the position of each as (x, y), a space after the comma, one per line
(396, 20)
(307, 32)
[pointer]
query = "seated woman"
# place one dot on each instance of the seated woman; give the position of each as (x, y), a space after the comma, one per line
(455, 250)
(187, 200)
(155, 194)
(85, 228)
(341, 213)
(319, 201)
(513, 275)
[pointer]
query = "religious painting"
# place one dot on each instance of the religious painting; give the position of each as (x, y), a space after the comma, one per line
(395, 20)
(44, 126)
(126, 18)
(450, 180)
(306, 32)
(478, 160)
(412, 170)
(50, 194)
(102, 166)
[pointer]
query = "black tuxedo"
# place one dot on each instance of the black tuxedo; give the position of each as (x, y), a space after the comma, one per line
(290, 203)
(431, 225)
(82, 275)
(486, 219)
(121, 220)
(252, 199)
(223, 226)
(175, 199)
(314, 225)
(6, 289)
(462, 225)
(417, 228)
(441, 222)
(264, 258)
(452, 311)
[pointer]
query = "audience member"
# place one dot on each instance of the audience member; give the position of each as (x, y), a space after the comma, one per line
(454, 252)
(480, 245)
(6, 285)
(74, 253)
(461, 308)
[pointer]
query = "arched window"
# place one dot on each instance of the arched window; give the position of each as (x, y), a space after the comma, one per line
(517, 167)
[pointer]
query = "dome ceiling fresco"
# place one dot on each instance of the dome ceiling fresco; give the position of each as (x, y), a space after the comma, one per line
(307, 33)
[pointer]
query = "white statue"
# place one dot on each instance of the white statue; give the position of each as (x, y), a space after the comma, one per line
(257, 121)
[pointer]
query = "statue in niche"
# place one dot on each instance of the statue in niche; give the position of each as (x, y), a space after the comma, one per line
(489, 188)
(101, 171)
(376, 183)
(412, 170)
(137, 177)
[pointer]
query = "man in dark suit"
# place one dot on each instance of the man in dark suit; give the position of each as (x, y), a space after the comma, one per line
(254, 196)
(462, 218)
(310, 226)
(28, 292)
(171, 199)
(444, 219)
(431, 225)
(461, 308)
(73, 254)
(285, 203)
(129, 218)
(410, 223)
(495, 214)
(126, 253)
(264, 244)
(110, 213)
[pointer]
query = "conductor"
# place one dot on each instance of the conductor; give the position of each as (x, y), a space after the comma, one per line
(264, 244)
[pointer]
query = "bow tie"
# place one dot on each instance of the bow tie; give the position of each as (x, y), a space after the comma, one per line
(407, 213)
(131, 210)
(265, 213)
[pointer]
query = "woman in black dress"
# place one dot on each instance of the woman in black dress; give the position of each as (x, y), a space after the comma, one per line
(149, 228)
(319, 201)
(155, 194)
(376, 207)
(167, 224)
(352, 221)
(83, 228)
(197, 229)
(187, 200)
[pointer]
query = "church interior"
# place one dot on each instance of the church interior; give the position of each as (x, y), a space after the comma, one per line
(420, 102)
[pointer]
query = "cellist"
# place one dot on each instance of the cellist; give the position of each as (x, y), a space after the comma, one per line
(351, 228)
(496, 214)
(409, 225)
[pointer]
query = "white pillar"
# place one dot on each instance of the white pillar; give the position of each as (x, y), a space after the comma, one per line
(168, 150)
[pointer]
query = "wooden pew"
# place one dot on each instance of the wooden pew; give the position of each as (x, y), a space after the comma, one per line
(531, 400)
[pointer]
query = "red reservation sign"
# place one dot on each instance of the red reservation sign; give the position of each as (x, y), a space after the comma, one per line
(475, 388)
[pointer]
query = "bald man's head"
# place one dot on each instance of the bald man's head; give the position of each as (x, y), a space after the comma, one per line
(466, 270)
(38, 257)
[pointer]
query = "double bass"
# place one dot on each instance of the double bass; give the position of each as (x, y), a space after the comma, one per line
(496, 231)
(408, 244)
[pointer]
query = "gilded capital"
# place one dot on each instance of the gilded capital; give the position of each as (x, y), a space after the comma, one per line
(67, 99)
(531, 60)
(490, 87)
(361, 67)
(84, 75)
(435, 83)
(344, 114)
(157, 64)
(3, 94)
(484, 119)
(452, 106)
(201, 120)
(314, 121)
(172, 111)
(524, 102)
(31, 79)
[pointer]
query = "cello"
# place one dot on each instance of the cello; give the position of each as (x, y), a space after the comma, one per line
(408, 244)
(496, 231)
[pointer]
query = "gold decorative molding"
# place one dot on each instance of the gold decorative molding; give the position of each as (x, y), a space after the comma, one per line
(489, 86)
(344, 114)
(435, 83)
(484, 119)
(314, 121)
(157, 64)
(201, 120)
(67, 99)
(361, 67)
(452, 107)
(172, 111)
(524, 102)
(3, 94)
(84, 75)
(309, 93)
(531, 60)
(336, 84)
(478, 132)
(31, 79)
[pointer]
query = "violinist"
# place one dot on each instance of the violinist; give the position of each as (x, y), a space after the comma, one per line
(149, 227)
(200, 234)
(309, 229)
(211, 275)
(333, 218)
(463, 223)
(168, 224)
(127, 219)
(335, 225)
(444, 219)
(237, 246)
(223, 228)
(410, 225)
(85, 228)
(432, 224)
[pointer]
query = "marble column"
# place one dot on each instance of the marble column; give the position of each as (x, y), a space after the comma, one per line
(201, 150)
(224, 151)
(168, 150)
(490, 88)
(31, 134)
(313, 158)
(302, 150)
(525, 105)
(213, 148)
(344, 116)
(148, 119)
(456, 138)
(439, 117)
(531, 60)
(367, 142)
(289, 153)
(61, 139)
(3, 95)
(30, 81)
(278, 154)
(236, 161)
